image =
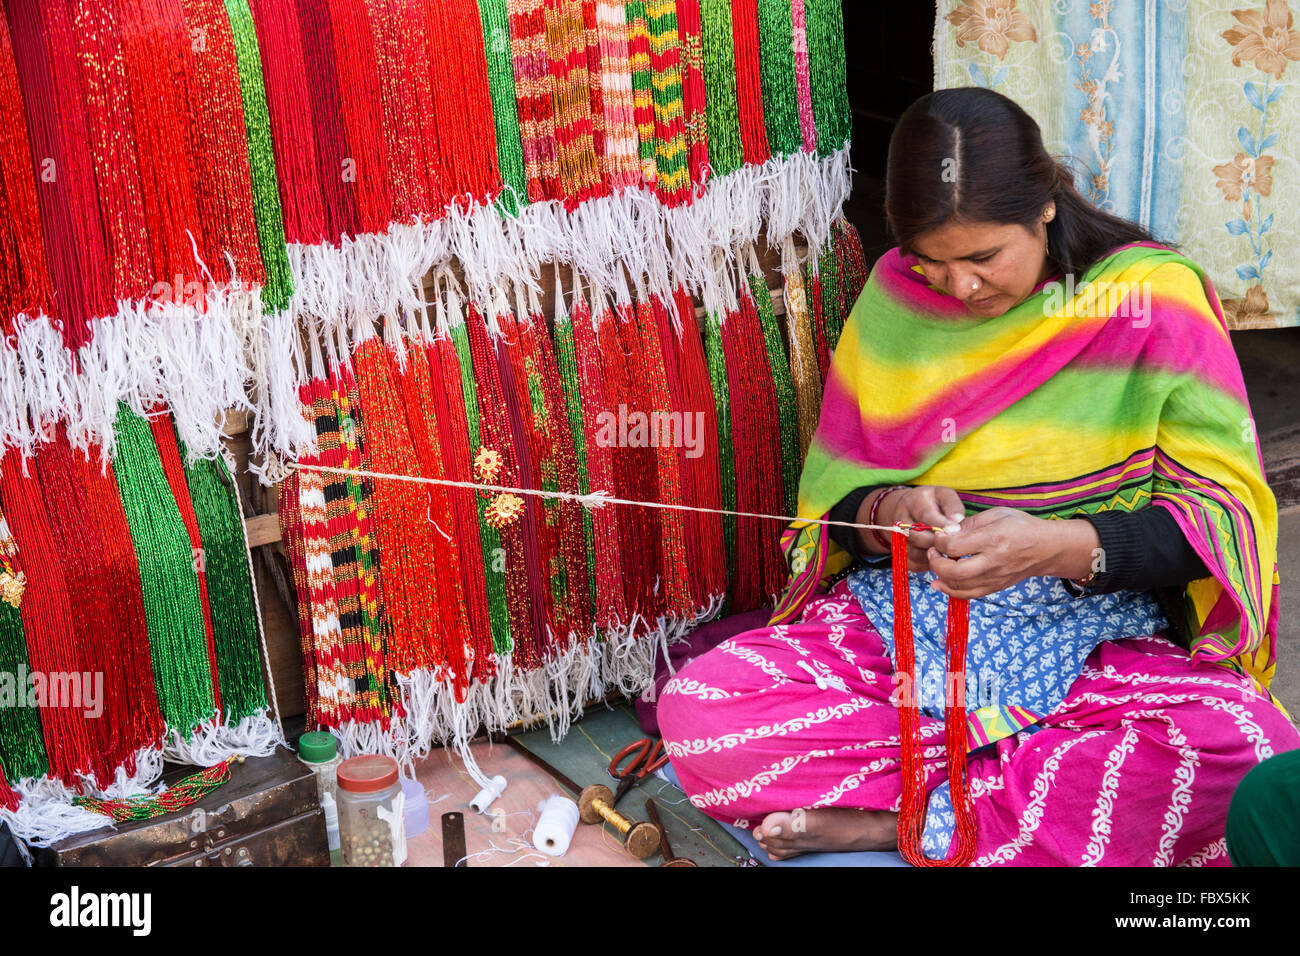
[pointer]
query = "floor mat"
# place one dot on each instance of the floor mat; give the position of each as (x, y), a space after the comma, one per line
(503, 835)
(584, 756)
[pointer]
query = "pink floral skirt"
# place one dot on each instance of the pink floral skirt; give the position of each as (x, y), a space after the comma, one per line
(1135, 767)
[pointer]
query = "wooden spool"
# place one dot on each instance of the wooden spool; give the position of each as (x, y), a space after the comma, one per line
(595, 804)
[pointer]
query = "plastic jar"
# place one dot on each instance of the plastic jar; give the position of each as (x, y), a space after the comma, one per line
(372, 825)
(320, 751)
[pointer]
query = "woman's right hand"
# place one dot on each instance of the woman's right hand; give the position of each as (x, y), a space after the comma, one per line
(935, 505)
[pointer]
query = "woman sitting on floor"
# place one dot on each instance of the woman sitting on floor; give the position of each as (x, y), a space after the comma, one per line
(1059, 395)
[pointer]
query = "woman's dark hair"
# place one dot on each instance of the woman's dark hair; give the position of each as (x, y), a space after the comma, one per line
(972, 155)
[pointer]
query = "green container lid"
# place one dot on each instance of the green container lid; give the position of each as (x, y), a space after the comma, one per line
(317, 746)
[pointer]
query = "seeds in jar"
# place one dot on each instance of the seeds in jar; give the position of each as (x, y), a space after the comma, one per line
(368, 842)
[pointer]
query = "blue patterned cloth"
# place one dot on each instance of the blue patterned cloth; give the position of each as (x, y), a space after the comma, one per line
(1027, 643)
(1026, 646)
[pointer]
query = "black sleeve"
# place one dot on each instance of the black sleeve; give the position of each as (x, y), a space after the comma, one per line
(847, 510)
(1143, 550)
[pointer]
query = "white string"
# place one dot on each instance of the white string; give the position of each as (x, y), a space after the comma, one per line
(257, 604)
(598, 499)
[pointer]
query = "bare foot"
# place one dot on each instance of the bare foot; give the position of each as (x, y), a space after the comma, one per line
(788, 833)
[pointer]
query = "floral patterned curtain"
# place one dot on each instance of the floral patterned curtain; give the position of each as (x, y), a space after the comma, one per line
(1179, 114)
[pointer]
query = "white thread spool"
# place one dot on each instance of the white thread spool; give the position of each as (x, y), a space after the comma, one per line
(487, 796)
(555, 828)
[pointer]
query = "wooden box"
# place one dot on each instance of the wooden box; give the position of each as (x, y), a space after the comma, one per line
(267, 814)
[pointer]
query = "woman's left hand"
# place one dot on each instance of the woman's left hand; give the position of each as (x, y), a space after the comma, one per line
(1003, 546)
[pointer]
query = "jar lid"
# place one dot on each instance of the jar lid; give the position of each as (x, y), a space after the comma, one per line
(317, 746)
(367, 774)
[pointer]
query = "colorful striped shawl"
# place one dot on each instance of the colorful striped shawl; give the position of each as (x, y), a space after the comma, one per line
(1078, 400)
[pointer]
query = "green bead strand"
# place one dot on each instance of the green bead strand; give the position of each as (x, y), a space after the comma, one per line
(22, 748)
(498, 609)
(726, 454)
(261, 158)
(169, 583)
(777, 72)
(783, 381)
(722, 109)
(566, 360)
(501, 88)
(826, 71)
(230, 588)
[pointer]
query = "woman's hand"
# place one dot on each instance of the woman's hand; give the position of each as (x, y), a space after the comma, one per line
(934, 505)
(1003, 546)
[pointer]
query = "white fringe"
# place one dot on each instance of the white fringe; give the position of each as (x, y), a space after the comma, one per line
(257, 735)
(202, 362)
(554, 694)
(45, 813)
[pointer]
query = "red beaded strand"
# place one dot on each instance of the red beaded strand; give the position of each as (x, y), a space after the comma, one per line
(113, 147)
(611, 600)
(416, 389)
(223, 177)
(288, 102)
(291, 532)
(766, 451)
(707, 547)
(561, 457)
(143, 721)
(453, 434)
(47, 618)
(458, 71)
(911, 817)
(663, 397)
(536, 461)
(636, 466)
(749, 413)
(749, 83)
(334, 164)
(407, 554)
(98, 646)
(24, 275)
(361, 112)
(693, 91)
(523, 589)
(45, 58)
(154, 37)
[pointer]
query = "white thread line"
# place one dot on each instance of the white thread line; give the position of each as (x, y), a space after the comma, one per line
(595, 499)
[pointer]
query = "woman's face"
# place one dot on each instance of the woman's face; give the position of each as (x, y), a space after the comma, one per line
(989, 267)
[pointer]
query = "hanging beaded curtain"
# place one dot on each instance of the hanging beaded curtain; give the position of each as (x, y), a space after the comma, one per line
(237, 203)
(112, 652)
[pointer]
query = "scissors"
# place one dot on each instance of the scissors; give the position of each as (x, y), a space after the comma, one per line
(647, 757)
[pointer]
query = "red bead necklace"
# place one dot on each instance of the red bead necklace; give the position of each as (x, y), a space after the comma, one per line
(911, 817)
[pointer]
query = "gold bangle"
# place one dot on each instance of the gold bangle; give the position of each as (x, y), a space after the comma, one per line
(1085, 582)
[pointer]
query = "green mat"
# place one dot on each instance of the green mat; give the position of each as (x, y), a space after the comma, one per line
(584, 756)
